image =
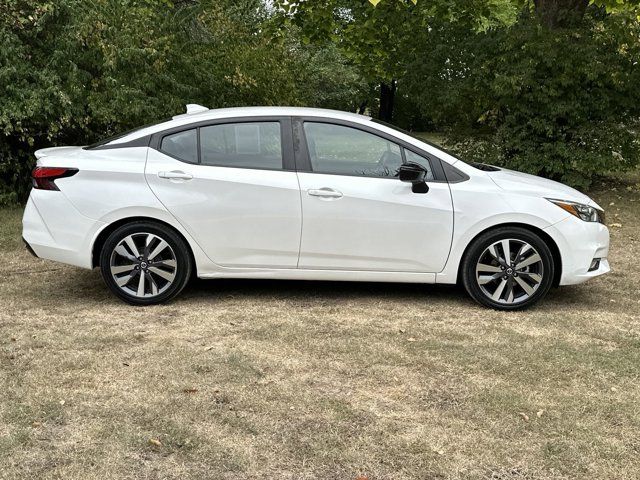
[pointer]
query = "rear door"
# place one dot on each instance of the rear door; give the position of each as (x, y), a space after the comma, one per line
(232, 185)
(357, 214)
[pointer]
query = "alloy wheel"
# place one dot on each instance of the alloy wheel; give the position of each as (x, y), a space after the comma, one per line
(509, 271)
(143, 265)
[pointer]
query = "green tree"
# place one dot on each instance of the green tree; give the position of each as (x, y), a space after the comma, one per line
(376, 35)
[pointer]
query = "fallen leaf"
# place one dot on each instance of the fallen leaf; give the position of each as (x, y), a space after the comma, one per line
(539, 413)
(62, 402)
(208, 348)
(524, 416)
(155, 442)
(402, 330)
(362, 477)
(190, 390)
(614, 389)
(36, 424)
(411, 339)
(617, 225)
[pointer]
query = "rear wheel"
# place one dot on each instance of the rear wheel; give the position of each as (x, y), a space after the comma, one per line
(145, 263)
(508, 268)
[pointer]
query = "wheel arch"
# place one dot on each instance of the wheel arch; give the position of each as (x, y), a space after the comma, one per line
(550, 242)
(102, 236)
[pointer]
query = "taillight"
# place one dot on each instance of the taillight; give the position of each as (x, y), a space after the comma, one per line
(43, 177)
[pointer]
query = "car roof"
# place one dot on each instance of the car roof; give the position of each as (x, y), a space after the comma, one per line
(236, 112)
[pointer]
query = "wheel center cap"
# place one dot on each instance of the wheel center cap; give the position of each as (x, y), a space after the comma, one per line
(143, 265)
(509, 271)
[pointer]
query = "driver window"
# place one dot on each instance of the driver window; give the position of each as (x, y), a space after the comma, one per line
(344, 150)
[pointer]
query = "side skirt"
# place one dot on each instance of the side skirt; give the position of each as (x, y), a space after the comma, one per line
(327, 275)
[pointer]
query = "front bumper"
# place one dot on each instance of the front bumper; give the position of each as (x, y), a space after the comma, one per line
(579, 243)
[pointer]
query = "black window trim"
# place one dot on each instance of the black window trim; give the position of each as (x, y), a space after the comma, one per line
(286, 140)
(303, 160)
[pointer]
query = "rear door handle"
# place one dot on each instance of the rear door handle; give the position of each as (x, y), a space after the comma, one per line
(324, 192)
(175, 175)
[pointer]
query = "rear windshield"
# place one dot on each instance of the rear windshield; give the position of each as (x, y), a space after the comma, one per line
(123, 134)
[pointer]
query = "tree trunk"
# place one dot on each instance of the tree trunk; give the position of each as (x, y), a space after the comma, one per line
(560, 13)
(387, 98)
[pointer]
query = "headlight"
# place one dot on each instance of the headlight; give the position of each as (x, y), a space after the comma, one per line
(583, 212)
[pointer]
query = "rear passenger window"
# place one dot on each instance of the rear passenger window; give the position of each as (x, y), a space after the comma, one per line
(182, 145)
(242, 145)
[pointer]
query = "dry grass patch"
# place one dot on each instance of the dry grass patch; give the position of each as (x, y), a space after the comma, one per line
(249, 379)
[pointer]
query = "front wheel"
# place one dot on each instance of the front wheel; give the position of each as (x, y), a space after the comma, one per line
(508, 268)
(145, 263)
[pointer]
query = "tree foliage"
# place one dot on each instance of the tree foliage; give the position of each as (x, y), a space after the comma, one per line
(562, 102)
(75, 71)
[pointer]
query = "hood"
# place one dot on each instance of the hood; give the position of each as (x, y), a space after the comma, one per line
(542, 187)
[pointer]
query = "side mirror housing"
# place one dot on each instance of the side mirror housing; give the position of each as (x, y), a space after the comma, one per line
(414, 174)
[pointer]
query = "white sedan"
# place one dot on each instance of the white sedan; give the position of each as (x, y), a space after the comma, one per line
(297, 193)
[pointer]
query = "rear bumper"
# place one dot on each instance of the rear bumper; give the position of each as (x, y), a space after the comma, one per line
(579, 244)
(28, 247)
(65, 236)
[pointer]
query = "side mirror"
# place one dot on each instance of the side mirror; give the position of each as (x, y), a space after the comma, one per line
(414, 174)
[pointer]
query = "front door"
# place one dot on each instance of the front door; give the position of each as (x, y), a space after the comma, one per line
(358, 215)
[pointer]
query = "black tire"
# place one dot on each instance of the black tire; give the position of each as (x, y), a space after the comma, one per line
(481, 255)
(174, 260)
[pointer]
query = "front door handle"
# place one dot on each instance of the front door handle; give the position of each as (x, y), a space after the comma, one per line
(324, 192)
(175, 175)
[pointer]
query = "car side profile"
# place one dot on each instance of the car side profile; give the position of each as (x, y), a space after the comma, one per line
(299, 193)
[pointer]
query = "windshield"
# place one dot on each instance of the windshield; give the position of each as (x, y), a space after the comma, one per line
(401, 130)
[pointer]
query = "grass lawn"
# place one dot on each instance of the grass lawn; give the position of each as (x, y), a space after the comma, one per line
(293, 380)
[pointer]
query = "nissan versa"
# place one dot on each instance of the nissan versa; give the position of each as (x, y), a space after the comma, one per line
(297, 193)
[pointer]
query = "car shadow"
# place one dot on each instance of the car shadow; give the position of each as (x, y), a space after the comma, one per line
(307, 289)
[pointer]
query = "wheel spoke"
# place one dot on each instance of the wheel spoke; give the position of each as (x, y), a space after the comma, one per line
(161, 273)
(122, 281)
(132, 246)
(147, 244)
(154, 285)
(529, 261)
(507, 251)
(524, 248)
(159, 248)
(494, 252)
(484, 279)
(122, 268)
(140, 291)
(166, 263)
(534, 277)
(498, 292)
(483, 267)
(510, 290)
(525, 286)
(120, 250)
